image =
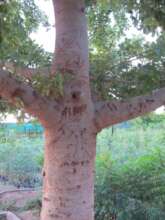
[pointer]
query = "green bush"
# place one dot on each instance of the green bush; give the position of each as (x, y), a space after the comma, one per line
(18, 159)
(135, 190)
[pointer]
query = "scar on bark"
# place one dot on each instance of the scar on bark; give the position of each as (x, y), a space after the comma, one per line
(74, 170)
(82, 10)
(79, 109)
(18, 93)
(74, 163)
(44, 173)
(47, 199)
(112, 107)
(82, 132)
(150, 100)
(35, 94)
(54, 216)
(76, 95)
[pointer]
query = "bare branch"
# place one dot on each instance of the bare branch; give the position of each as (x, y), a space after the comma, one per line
(113, 112)
(15, 91)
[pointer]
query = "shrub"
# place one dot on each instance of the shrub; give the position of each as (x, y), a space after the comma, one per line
(135, 190)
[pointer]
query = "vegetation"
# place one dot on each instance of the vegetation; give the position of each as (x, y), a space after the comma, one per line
(19, 159)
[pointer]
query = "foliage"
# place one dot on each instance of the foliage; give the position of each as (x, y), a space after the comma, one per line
(34, 204)
(18, 19)
(51, 86)
(124, 66)
(130, 168)
(8, 206)
(18, 160)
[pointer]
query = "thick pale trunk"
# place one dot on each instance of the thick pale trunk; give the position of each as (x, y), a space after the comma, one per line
(71, 50)
(68, 192)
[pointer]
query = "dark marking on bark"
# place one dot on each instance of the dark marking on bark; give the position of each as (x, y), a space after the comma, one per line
(64, 164)
(78, 110)
(109, 107)
(114, 107)
(84, 162)
(61, 129)
(35, 94)
(74, 170)
(150, 100)
(56, 140)
(44, 174)
(64, 112)
(78, 186)
(83, 131)
(62, 204)
(69, 145)
(142, 106)
(54, 216)
(76, 95)
(74, 163)
(47, 199)
(84, 202)
(82, 10)
(18, 92)
(69, 112)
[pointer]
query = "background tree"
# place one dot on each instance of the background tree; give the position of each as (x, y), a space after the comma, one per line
(72, 101)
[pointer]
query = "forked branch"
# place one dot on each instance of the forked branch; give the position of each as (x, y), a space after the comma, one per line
(15, 91)
(113, 112)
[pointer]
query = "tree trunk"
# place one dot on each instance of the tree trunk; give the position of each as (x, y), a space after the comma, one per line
(68, 192)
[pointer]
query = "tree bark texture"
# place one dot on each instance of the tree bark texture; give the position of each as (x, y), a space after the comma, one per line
(68, 192)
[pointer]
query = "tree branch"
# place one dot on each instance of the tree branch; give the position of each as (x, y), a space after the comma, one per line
(113, 112)
(26, 72)
(15, 91)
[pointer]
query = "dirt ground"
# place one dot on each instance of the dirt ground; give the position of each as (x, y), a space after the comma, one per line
(17, 201)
